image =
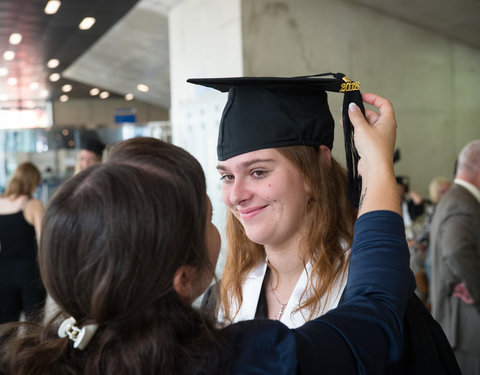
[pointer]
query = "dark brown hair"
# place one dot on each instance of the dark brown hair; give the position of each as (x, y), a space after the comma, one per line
(113, 237)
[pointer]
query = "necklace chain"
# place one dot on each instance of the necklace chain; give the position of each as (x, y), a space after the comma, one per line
(283, 305)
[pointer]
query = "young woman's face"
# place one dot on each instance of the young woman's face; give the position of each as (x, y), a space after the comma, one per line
(266, 193)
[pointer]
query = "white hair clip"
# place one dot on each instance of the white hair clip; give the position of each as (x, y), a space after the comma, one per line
(80, 336)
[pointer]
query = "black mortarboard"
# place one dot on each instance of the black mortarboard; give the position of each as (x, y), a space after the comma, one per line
(93, 144)
(271, 112)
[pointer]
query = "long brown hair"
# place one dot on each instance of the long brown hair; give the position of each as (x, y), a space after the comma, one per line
(330, 219)
(113, 236)
(24, 181)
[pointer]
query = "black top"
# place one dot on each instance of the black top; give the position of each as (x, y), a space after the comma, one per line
(17, 237)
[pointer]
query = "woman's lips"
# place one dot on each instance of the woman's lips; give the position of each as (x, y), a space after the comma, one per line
(248, 213)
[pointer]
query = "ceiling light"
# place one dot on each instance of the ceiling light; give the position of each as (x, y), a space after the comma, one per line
(104, 95)
(44, 93)
(142, 87)
(12, 81)
(34, 85)
(67, 88)
(9, 55)
(52, 6)
(15, 38)
(63, 98)
(54, 77)
(86, 23)
(129, 96)
(3, 97)
(3, 72)
(94, 91)
(53, 63)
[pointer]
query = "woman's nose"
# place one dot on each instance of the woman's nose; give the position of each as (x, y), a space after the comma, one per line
(239, 192)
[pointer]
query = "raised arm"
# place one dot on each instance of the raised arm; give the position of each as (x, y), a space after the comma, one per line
(375, 140)
(366, 329)
(365, 332)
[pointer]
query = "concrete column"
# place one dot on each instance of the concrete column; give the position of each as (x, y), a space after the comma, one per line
(205, 41)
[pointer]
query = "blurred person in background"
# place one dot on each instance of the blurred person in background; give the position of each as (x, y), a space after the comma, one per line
(455, 252)
(20, 221)
(91, 153)
(413, 206)
(420, 255)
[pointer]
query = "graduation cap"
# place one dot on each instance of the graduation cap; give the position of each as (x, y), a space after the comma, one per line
(271, 112)
(92, 144)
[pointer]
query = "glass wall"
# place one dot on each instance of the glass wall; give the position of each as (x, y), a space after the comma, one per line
(54, 151)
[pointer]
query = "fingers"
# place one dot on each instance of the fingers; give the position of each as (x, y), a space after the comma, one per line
(356, 116)
(384, 106)
(371, 116)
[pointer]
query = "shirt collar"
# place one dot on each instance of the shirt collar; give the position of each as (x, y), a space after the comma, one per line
(470, 187)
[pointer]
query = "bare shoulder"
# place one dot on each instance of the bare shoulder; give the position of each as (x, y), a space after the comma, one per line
(33, 211)
(35, 205)
(11, 204)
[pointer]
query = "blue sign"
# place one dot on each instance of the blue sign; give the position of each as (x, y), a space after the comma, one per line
(125, 115)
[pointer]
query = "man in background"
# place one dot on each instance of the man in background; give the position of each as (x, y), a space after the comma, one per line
(90, 153)
(455, 251)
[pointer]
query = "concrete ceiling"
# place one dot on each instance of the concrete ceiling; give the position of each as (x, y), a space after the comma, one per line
(135, 50)
(24, 75)
(132, 52)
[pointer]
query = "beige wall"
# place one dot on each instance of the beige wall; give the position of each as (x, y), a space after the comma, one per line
(91, 113)
(430, 79)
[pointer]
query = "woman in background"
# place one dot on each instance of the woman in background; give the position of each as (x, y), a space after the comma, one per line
(20, 221)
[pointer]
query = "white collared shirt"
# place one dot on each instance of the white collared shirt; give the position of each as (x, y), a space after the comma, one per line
(470, 187)
(252, 288)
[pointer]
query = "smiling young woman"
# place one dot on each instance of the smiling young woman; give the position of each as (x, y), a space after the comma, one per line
(290, 219)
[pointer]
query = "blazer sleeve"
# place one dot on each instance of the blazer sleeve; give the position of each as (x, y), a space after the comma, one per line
(459, 236)
(370, 321)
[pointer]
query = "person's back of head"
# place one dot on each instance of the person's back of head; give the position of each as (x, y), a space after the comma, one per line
(153, 153)
(468, 165)
(113, 237)
(24, 181)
